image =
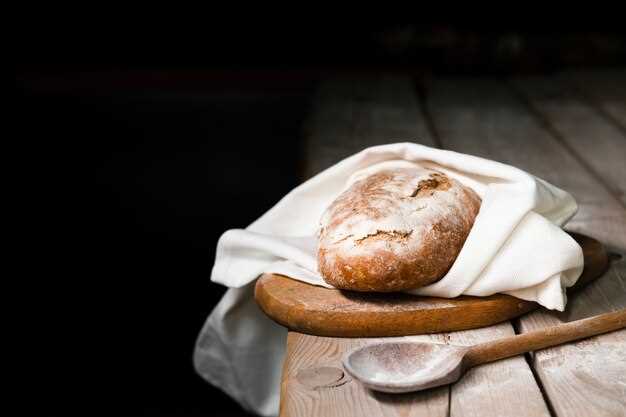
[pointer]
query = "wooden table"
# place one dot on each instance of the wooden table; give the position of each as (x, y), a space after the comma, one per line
(569, 129)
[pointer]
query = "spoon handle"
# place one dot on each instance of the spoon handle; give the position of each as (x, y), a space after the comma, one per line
(550, 336)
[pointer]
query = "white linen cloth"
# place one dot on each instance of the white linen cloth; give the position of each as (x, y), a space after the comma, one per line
(516, 246)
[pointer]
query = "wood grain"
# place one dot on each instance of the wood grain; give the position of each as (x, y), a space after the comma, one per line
(346, 396)
(595, 142)
(482, 117)
(591, 374)
(328, 312)
(583, 378)
(543, 338)
(606, 89)
(503, 388)
(352, 113)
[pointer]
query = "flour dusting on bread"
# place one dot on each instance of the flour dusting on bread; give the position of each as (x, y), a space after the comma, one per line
(397, 226)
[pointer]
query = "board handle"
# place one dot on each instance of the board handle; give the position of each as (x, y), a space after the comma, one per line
(540, 339)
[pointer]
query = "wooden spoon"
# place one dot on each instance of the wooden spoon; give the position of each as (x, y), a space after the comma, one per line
(413, 366)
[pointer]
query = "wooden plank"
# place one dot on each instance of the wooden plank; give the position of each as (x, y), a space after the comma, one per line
(585, 378)
(351, 114)
(503, 388)
(595, 141)
(603, 357)
(482, 117)
(314, 383)
(606, 89)
(348, 117)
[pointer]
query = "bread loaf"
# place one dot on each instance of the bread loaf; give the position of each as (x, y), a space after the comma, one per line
(396, 228)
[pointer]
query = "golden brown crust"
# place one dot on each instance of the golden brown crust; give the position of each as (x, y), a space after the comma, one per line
(395, 230)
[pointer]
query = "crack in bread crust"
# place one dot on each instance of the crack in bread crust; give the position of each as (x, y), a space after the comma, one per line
(396, 235)
(436, 181)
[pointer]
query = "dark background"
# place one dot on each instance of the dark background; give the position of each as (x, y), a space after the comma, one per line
(140, 147)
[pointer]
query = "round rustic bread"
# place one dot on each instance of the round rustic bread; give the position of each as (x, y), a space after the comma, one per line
(395, 228)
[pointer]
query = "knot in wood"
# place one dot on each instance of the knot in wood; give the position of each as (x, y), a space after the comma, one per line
(321, 377)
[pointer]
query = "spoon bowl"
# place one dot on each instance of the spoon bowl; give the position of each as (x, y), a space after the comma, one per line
(399, 367)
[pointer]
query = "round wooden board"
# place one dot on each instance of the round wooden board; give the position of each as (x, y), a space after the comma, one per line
(327, 312)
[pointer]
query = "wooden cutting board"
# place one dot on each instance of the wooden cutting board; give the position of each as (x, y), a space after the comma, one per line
(328, 312)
